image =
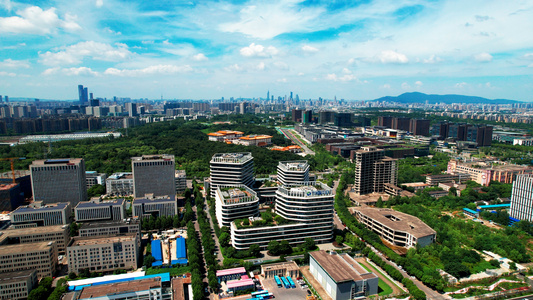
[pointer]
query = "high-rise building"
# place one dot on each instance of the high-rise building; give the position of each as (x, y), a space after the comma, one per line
(385, 121)
(293, 172)
(180, 177)
(231, 169)
(343, 120)
(522, 198)
(297, 115)
(326, 117)
(307, 116)
(400, 123)
(59, 180)
(153, 174)
(120, 184)
(483, 136)
(419, 127)
(372, 170)
(131, 108)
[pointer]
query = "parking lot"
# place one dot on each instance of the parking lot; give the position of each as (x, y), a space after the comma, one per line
(282, 293)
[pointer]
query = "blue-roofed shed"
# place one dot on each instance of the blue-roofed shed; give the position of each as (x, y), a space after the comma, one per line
(470, 212)
(157, 251)
(495, 206)
(181, 252)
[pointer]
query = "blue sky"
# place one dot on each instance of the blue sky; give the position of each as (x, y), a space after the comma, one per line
(211, 49)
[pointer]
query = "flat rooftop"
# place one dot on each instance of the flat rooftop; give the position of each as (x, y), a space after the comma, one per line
(232, 157)
(289, 265)
(158, 199)
(300, 165)
(239, 270)
(18, 174)
(341, 267)
(492, 165)
(48, 207)
(120, 287)
(25, 248)
(15, 276)
(97, 240)
(6, 187)
(89, 204)
(33, 230)
(60, 161)
(109, 223)
(118, 176)
(397, 221)
(153, 157)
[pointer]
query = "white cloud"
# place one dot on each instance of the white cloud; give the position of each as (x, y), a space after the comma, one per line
(386, 86)
(432, 59)
(283, 80)
(200, 57)
(461, 85)
(151, 70)
(6, 4)
(528, 56)
(346, 71)
(343, 78)
(281, 65)
(166, 42)
(392, 57)
(14, 64)
(234, 68)
(75, 54)
(483, 57)
(147, 42)
(258, 51)
(81, 71)
(419, 83)
(488, 85)
(109, 30)
(8, 74)
(406, 86)
(261, 66)
(34, 20)
(310, 49)
(99, 3)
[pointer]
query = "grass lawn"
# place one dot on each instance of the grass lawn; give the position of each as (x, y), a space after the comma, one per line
(383, 288)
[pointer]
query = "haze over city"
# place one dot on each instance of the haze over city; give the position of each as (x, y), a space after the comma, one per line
(209, 49)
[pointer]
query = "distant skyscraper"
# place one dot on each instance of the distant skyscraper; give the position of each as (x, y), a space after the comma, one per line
(83, 94)
(291, 96)
(132, 109)
(268, 95)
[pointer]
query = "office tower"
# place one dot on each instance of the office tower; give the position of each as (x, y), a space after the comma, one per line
(291, 96)
(91, 96)
(80, 93)
(153, 174)
(419, 127)
(268, 96)
(59, 180)
(444, 130)
(1, 99)
(372, 170)
(293, 172)
(231, 169)
(522, 198)
(400, 123)
(131, 108)
(242, 108)
(343, 120)
(95, 102)
(484, 136)
(7, 99)
(297, 115)
(307, 116)
(235, 202)
(326, 117)
(385, 121)
(36, 215)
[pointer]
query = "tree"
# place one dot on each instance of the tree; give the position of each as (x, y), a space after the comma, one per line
(255, 250)
(273, 247)
(73, 229)
(96, 190)
(224, 239)
(285, 247)
(379, 203)
(148, 261)
(339, 239)
(309, 244)
(512, 266)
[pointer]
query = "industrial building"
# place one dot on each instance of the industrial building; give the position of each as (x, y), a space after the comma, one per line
(341, 276)
(120, 184)
(38, 214)
(395, 227)
(235, 202)
(160, 206)
(17, 285)
(522, 198)
(103, 254)
(41, 256)
(59, 180)
(153, 174)
(96, 210)
(291, 172)
(57, 233)
(231, 169)
(373, 170)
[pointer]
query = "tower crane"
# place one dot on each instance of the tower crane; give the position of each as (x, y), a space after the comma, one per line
(11, 160)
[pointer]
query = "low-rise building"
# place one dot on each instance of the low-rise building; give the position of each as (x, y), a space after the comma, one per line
(17, 285)
(120, 184)
(93, 178)
(483, 172)
(230, 274)
(434, 180)
(41, 256)
(38, 214)
(110, 228)
(158, 206)
(57, 233)
(224, 135)
(103, 254)
(395, 227)
(261, 140)
(95, 210)
(288, 268)
(235, 202)
(341, 276)
(150, 288)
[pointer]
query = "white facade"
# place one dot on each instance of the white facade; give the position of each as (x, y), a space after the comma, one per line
(120, 184)
(163, 206)
(231, 169)
(522, 198)
(291, 172)
(235, 202)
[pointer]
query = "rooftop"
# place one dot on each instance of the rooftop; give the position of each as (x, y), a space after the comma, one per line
(232, 157)
(18, 174)
(240, 283)
(236, 194)
(61, 161)
(225, 132)
(396, 220)
(297, 165)
(48, 207)
(109, 223)
(87, 204)
(256, 137)
(5, 187)
(290, 265)
(32, 230)
(121, 287)
(153, 157)
(231, 271)
(341, 267)
(158, 199)
(15, 276)
(116, 176)
(25, 248)
(97, 240)
(306, 189)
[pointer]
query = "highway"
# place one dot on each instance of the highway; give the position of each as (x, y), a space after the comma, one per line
(288, 133)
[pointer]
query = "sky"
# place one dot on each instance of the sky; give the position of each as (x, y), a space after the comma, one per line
(355, 50)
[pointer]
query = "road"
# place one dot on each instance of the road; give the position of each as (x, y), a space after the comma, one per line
(218, 249)
(288, 133)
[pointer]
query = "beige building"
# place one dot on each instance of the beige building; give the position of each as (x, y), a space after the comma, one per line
(102, 254)
(41, 257)
(17, 285)
(57, 233)
(483, 172)
(288, 268)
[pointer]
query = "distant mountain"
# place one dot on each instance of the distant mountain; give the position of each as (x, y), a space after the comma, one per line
(416, 97)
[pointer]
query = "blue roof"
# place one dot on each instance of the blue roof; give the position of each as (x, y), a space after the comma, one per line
(165, 277)
(470, 211)
(157, 252)
(157, 263)
(495, 206)
(179, 261)
(181, 251)
(514, 219)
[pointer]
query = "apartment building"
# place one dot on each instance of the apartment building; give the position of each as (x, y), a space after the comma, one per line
(153, 174)
(522, 198)
(231, 169)
(308, 208)
(38, 214)
(57, 233)
(41, 256)
(59, 180)
(160, 206)
(120, 184)
(372, 170)
(235, 202)
(103, 254)
(291, 172)
(395, 227)
(17, 285)
(100, 210)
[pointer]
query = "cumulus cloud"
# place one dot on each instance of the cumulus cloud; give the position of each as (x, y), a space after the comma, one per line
(99, 3)
(75, 54)
(483, 57)
(34, 20)
(81, 71)
(419, 83)
(151, 70)
(406, 86)
(258, 51)
(392, 57)
(310, 49)
(433, 59)
(461, 85)
(260, 66)
(7, 74)
(14, 64)
(343, 78)
(281, 65)
(200, 57)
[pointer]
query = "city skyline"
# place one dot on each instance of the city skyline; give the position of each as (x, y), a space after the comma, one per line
(208, 50)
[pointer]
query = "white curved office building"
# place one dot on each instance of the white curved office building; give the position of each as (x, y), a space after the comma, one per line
(235, 202)
(309, 208)
(231, 169)
(293, 172)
